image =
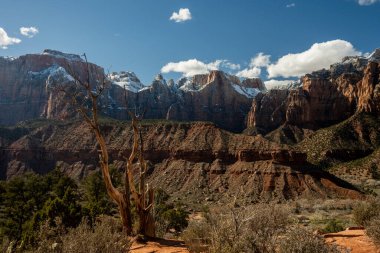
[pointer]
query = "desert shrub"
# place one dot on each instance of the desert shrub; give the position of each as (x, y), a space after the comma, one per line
(265, 225)
(106, 236)
(364, 212)
(167, 215)
(303, 241)
(256, 229)
(196, 235)
(373, 230)
(333, 226)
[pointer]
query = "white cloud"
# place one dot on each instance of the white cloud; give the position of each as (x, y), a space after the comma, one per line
(254, 69)
(249, 73)
(214, 65)
(181, 16)
(231, 66)
(195, 67)
(291, 5)
(29, 32)
(273, 84)
(191, 67)
(320, 55)
(6, 41)
(367, 2)
(260, 60)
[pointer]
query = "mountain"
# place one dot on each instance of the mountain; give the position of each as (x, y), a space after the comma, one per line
(325, 98)
(328, 120)
(27, 91)
(196, 161)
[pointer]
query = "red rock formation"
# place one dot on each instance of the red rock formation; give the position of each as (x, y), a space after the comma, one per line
(195, 160)
(369, 89)
(27, 92)
(325, 98)
(216, 100)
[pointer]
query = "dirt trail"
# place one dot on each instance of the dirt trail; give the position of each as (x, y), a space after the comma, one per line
(159, 246)
(355, 240)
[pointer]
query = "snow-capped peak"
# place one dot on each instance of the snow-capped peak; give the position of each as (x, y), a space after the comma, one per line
(248, 92)
(9, 58)
(375, 55)
(58, 54)
(126, 79)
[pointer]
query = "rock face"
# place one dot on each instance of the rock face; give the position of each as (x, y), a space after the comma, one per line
(325, 97)
(196, 160)
(210, 98)
(23, 92)
(27, 92)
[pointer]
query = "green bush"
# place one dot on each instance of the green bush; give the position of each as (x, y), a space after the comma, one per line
(167, 215)
(333, 226)
(364, 212)
(97, 201)
(28, 200)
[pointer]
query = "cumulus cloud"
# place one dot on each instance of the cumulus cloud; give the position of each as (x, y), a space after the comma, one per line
(182, 15)
(190, 67)
(367, 2)
(29, 32)
(320, 55)
(232, 66)
(260, 60)
(254, 69)
(272, 84)
(249, 72)
(6, 41)
(195, 67)
(291, 5)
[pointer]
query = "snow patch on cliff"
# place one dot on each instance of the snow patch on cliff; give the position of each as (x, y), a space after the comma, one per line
(248, 92)
(127, 80)
(55, 72)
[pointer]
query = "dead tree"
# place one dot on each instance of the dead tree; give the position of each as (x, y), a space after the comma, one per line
(84, 96)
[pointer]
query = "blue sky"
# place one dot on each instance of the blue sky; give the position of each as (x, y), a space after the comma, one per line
(139, 35)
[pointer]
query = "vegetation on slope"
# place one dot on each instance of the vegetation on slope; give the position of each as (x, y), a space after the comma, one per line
(351, 139)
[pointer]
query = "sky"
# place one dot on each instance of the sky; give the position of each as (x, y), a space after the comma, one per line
(275, 40)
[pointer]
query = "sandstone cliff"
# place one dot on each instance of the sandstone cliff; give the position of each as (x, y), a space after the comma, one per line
(27, 91)
(326, 97)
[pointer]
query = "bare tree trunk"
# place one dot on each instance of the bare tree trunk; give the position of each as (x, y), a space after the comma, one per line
(143, 205)
(122, 199)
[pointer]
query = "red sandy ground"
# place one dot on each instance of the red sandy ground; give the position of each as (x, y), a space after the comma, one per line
(354, 240)
(159, 246)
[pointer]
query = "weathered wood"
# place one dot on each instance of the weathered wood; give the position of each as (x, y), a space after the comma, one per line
(122, 199)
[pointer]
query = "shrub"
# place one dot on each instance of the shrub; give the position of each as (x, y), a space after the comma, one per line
(105, 236)
(373, 230)
(196, 235)
(333, 226)
(366, 211)
(303, 241)
(97, 201)
(265, 226)
(257, 229)
(168, 216)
